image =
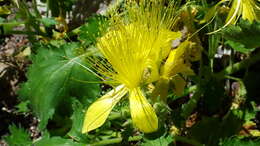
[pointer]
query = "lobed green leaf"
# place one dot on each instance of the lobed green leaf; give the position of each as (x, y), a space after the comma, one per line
(56, 73)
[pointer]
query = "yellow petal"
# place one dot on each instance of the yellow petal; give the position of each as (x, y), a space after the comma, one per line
(161, 89)
(151, 74)
(179, 85)
(4, 10)
(175, 62)
(143, 114)
(234, 12)
(166, 37)
(98, 112)
(183, 69)
(250, 10)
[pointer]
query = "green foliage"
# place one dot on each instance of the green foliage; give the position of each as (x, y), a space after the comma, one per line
(56, 141)
(4, 10)
(213, 40)
(214, 98)
(252, 84)
(239, 142)
(18, 137)
(245, 33)
(93, 28)
(239, 47)
(56, 73)
(2, 20)
(162, 141)
(77, 122)
(209, 130)
(22, 107)
(48, 21)
(58, 7)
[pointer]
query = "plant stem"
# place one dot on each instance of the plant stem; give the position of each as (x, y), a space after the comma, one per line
(135, 138)
(188, 108)
(108, 141)
(238, 66)
(116, 140)
(114, 116)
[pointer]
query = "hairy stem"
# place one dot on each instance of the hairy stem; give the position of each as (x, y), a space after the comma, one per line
(233, 68)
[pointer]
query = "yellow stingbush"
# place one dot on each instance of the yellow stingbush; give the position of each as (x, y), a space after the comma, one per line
(134, 49)
(248, 9)
(176, 63)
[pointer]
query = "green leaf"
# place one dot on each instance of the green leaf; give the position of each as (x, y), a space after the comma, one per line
(56, 74)
(56, 141)
(18, 137)
(245, 33)
(22, 107)
(239, 47)
(252, 80)
(92, 29)
(77, 122)
(48, 21)
(162, 141)
(214, 98)
(239, 142)
(2, 20)
(209, 130)
(9, 26)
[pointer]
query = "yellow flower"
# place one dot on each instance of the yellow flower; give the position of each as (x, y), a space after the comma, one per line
(248, 9)
(177, 62)
(133, 49)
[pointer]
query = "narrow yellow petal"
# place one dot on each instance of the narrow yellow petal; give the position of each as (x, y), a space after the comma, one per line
(250, 10)
(234, 12)
(143, 114)
(175, 62)
(98, 112)
(166, 37)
